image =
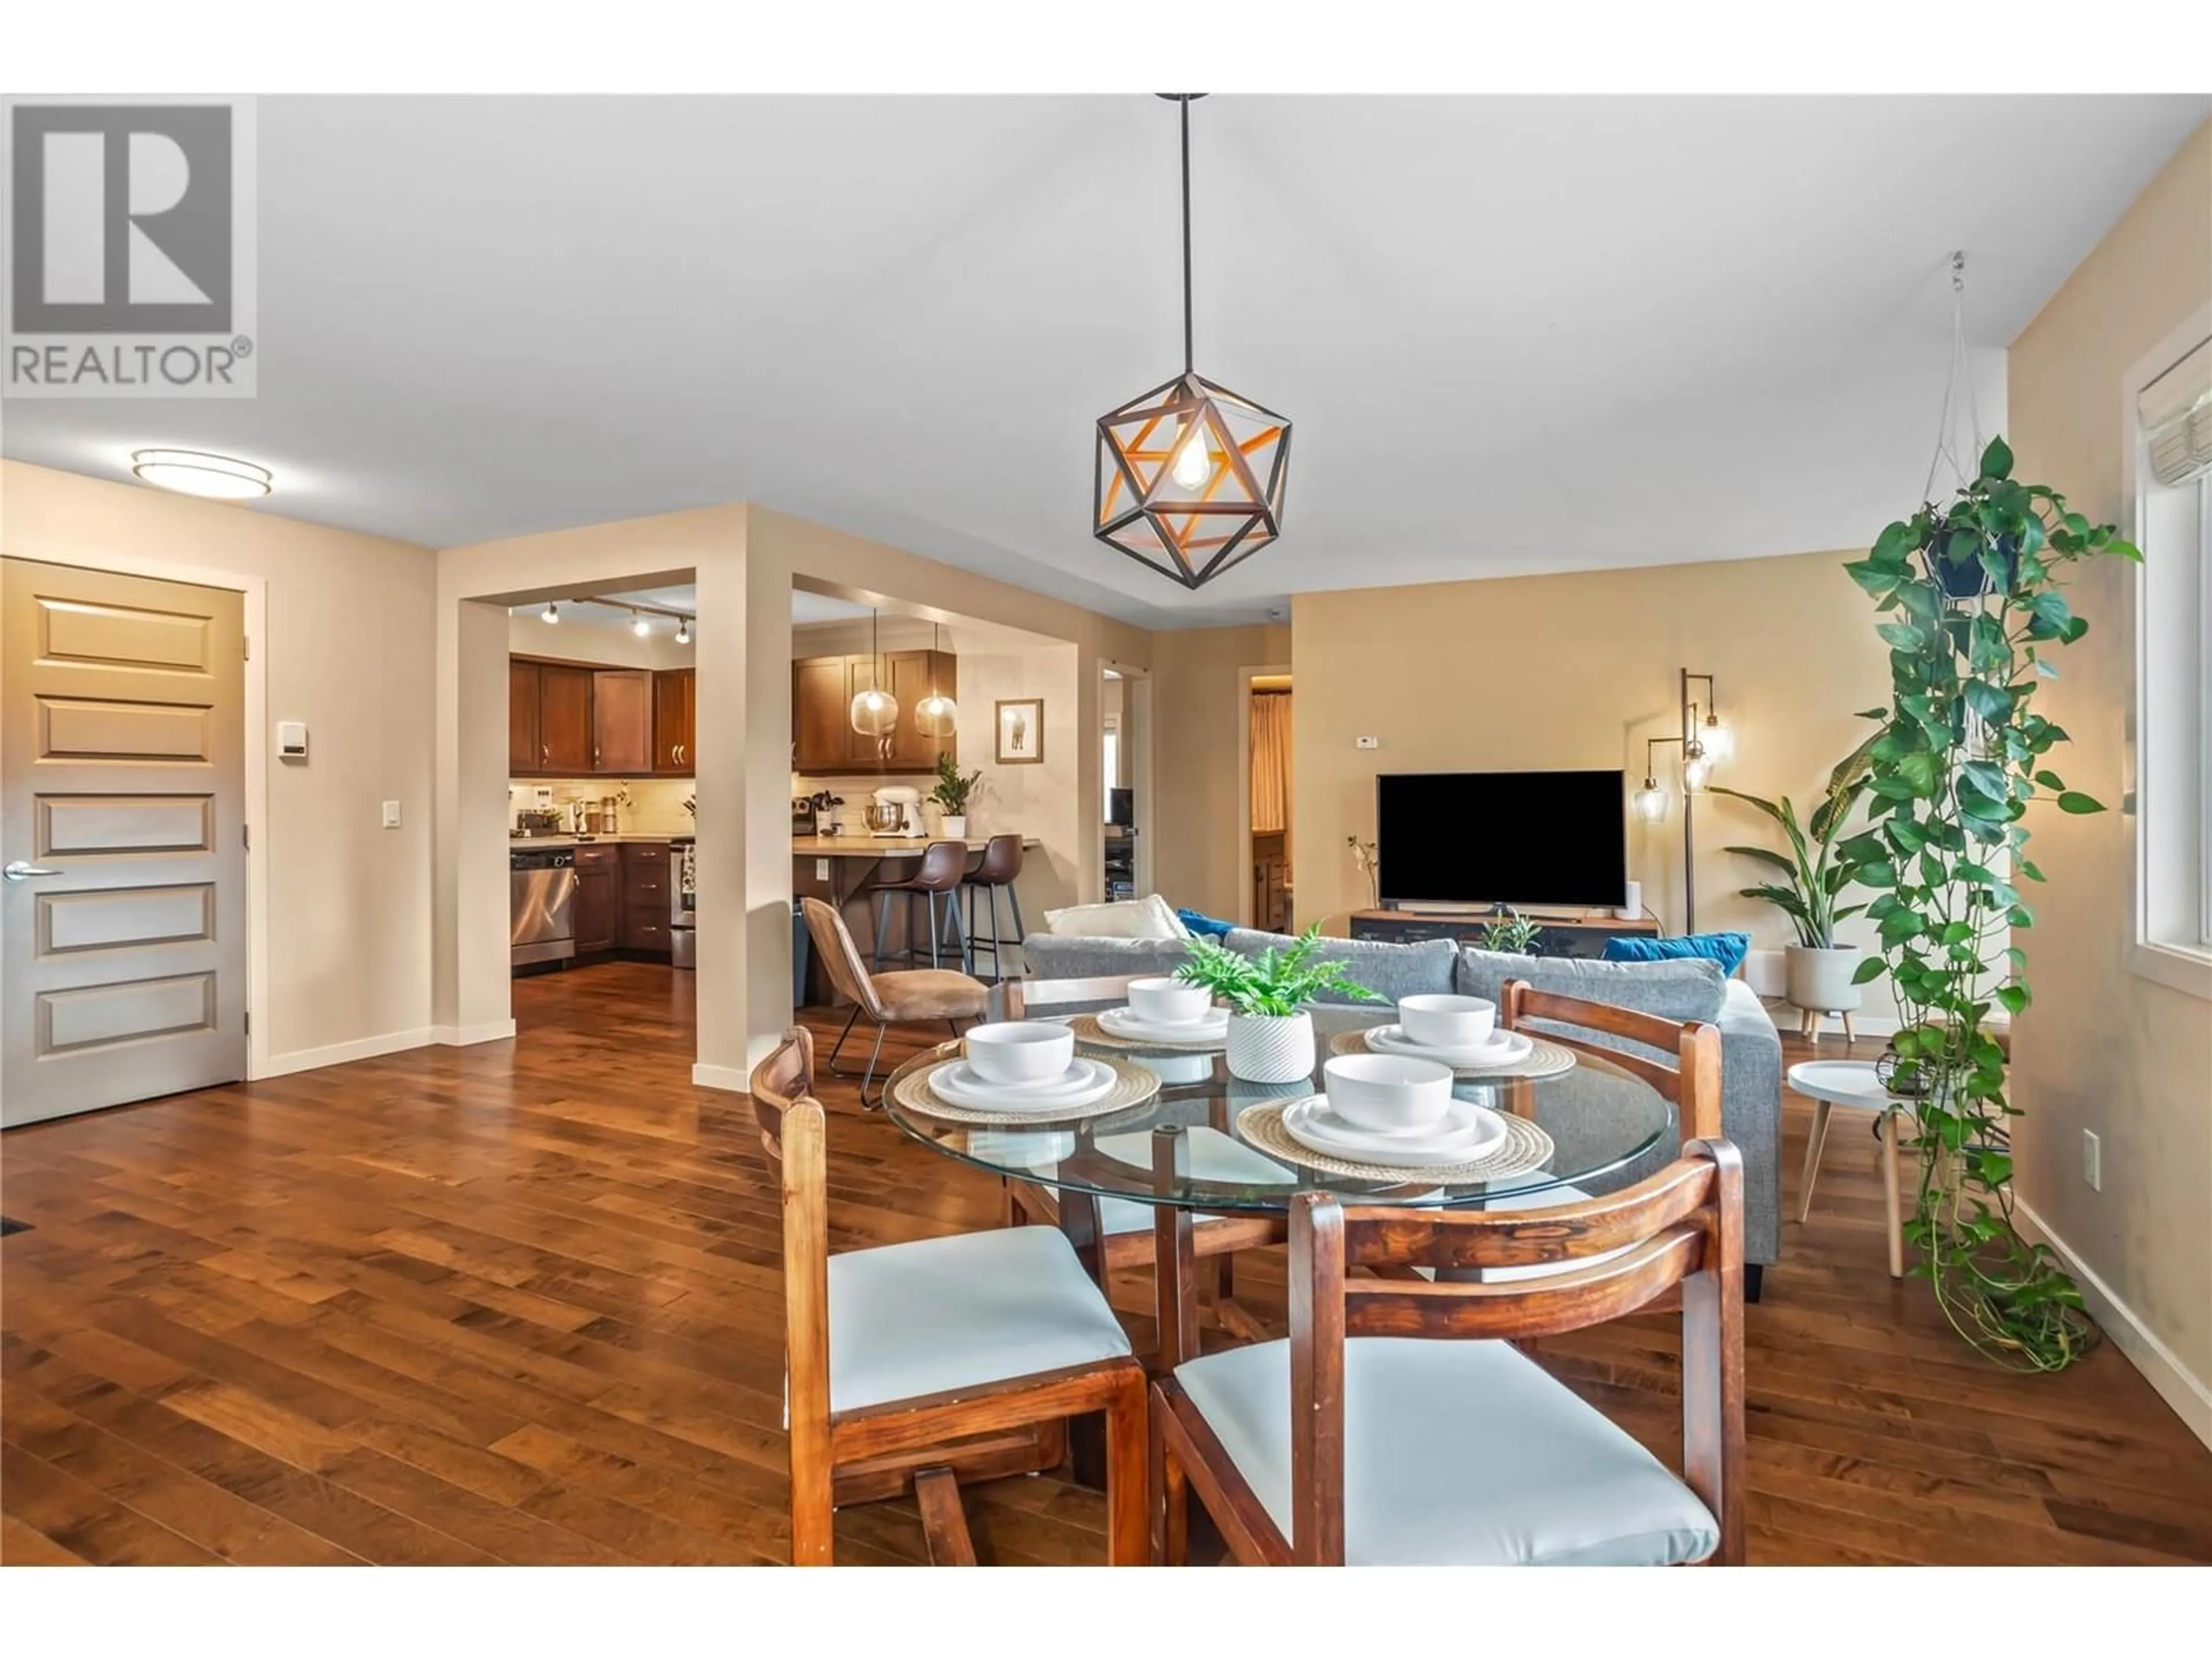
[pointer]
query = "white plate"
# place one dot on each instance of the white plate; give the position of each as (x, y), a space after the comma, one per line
(1504, 1048)
(1468, 1131)
(1125, 1023)
(958, 1086)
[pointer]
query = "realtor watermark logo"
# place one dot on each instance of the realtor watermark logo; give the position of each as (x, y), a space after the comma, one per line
(130, 248)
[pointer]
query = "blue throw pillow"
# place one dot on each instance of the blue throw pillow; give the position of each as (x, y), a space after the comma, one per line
(1205, 927)
(1727, 949)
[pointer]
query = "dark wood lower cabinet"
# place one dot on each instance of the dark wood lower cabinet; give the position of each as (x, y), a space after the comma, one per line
(645, 878)
(598, 898)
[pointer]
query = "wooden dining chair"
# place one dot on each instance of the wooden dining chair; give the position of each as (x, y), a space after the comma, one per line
(912, 1364)
(902, 996)
(1691, 1084)
(1121, 1233)
(1394, 1428)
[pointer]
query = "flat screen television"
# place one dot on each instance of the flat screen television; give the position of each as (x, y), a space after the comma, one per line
(1521, 838)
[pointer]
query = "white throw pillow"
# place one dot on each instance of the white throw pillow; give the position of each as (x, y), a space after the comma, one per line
(1150, 917)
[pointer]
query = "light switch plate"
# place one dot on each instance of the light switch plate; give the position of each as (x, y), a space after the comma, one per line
(1367, 742)
(392, 815)
(292, 740)
(822, 869)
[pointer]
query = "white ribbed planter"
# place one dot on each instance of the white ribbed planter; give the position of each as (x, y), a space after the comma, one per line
(1820, 981)
(1271, 1047)
(953, 828)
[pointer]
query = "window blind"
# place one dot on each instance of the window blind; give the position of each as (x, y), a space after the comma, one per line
(2176, 411)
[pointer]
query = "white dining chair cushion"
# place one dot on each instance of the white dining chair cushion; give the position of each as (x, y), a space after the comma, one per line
(1457, 1452)
(909, 1319)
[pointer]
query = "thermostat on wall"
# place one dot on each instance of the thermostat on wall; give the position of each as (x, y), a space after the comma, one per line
(292, 740)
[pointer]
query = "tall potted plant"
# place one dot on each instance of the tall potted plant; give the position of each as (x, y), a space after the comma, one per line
(1960, 758)
(951, 793)
(1271, 1035)
(1820, 972)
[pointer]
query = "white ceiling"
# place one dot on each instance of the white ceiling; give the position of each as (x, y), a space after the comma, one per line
(1514, 334)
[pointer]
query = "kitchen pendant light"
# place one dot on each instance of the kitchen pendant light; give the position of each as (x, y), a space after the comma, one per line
(875, 711)
(1189, 476)
(936, 716)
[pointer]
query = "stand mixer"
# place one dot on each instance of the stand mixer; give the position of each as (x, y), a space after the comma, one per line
(896, 814)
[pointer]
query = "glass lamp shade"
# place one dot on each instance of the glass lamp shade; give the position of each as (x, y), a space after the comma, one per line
(875, 713)
(1715, 738)
(1695, 770)
(1189, 478)
(1650, 801)
(936, 716)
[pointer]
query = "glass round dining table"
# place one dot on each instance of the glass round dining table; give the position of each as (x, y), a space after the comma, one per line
(1601, 1121)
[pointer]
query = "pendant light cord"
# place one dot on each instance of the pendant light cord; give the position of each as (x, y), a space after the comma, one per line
(1188, 358)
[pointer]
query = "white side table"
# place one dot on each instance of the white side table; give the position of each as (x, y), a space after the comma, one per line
(1852, 1083)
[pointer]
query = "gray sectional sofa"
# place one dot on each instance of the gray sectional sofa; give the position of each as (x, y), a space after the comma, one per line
(1751, 1048)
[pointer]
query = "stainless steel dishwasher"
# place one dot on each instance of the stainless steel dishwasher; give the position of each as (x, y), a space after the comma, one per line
(541, 905)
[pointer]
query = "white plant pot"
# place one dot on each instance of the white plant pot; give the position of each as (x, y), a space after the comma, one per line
(1271, 1047)
(1820, 981)
(953, 828)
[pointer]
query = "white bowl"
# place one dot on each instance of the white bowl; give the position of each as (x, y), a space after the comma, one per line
(1169, 1001)
(1020, 1051)
(1446, 1022)
(1387, 1093)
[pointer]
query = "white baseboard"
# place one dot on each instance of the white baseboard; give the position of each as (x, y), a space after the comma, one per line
(719, 1077)
(2162, 1367)
(460, 1036)
(337, 1054)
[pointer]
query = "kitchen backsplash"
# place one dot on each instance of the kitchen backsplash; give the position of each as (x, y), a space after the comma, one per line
(655, 806)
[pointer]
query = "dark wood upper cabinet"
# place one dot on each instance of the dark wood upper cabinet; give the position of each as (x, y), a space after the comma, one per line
(675, 718)
(564, 715)
(823, 740)
(622, 720)
(523, 751)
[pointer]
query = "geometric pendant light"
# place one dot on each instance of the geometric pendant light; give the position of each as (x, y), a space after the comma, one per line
(1189, 476)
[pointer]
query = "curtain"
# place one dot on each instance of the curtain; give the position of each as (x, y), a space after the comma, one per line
(1271, 762)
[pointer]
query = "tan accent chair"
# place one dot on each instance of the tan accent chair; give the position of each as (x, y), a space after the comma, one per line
(916, 1365)
(906, 996)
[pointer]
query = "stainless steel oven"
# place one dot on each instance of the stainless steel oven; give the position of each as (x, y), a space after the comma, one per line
(541, 905)
(682, 903)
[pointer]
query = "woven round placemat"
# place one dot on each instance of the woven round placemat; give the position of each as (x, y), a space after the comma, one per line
(1088, 1029)
(1132, 1086)
(1545, 1060)
(1526, 1147)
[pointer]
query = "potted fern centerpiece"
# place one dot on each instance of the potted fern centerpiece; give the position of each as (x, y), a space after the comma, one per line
(1821, 973)
(1271, 1035)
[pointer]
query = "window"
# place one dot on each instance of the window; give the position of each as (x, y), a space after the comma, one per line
(2172, 468)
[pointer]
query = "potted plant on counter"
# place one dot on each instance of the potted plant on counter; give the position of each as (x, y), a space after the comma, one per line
(1271, 1035)
(1820, 974)
(952, 795)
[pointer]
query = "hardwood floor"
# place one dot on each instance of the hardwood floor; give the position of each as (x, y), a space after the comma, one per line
(520, 1303)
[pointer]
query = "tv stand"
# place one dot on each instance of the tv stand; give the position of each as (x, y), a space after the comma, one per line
(1571, 933)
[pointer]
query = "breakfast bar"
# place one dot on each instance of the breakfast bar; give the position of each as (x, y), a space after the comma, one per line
(842, 870)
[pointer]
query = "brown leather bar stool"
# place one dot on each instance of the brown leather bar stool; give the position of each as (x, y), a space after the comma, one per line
(937, 883)
(1001, 862)
(910, 996)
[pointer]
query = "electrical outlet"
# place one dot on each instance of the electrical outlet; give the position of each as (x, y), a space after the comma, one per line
(2093, 1161)
(822, 869)
(1367, 742)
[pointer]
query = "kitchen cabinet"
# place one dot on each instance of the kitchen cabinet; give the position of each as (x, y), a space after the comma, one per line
(564, 718)
(598, 898)
(522, 741)
(621, 720)
(822, 692)
(675, 718)
(645, 878)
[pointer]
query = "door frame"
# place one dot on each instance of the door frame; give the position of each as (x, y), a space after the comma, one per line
(254, 591)
(1245, 676)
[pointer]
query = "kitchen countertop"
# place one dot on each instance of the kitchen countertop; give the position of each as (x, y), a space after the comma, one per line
(880, 846)
(590, 841)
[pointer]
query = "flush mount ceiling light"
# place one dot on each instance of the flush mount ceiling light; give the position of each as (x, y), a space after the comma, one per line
(936, 716)
(1189, 476)
(193, 472)
(875, 711)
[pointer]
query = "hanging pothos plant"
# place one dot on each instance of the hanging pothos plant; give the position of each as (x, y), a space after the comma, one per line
(1974, 602)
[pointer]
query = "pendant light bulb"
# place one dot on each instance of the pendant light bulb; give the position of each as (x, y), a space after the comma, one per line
(551, 612)
(1652, 801)
(1194, 462)
(640, 625)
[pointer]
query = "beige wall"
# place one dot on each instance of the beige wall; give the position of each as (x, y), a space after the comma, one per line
(345, 647)
(2100, 1048)
(1546, 672)
(1198, 746)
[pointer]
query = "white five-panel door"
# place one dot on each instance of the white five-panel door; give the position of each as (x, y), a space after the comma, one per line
(123, 947)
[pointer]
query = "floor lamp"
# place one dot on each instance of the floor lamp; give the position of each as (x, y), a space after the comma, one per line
(1705, 740)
